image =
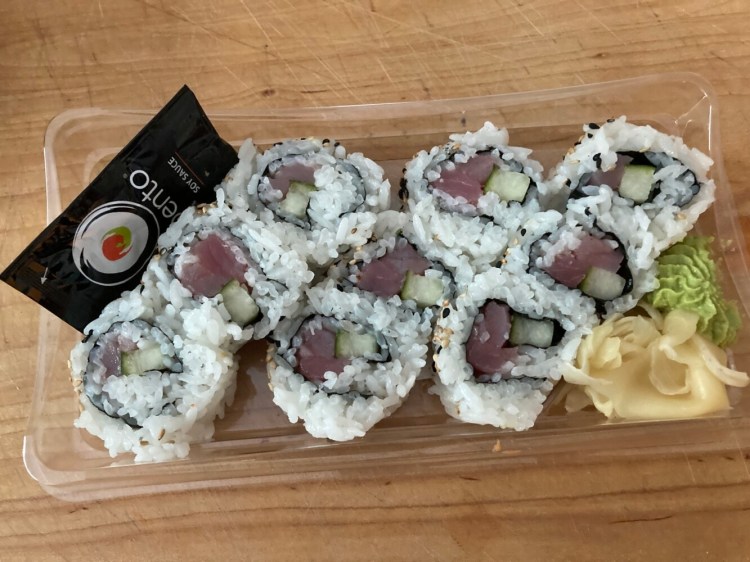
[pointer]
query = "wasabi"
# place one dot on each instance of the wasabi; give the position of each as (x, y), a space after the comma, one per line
(688, 281)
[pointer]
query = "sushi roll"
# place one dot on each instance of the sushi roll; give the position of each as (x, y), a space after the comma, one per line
(501, 345)
(646, 187)
(392, 268)
(589, 261)
(234, 184)
(346, 362)
(326, 199)
(222, 258)
(555, 251)
(474, 174)
(569, 253)
(143, 388)
(466, 196)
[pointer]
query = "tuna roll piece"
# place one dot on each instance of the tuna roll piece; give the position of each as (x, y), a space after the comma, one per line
(325, 199)
(346, 362)
(392, 267)
(225, 258)
(467, 197)
(595, 265)
(473, 174)
(500, 347)
(646, 187)
(133, 352)
(144, 390)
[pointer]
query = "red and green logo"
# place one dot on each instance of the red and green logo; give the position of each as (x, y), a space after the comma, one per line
(116, 243)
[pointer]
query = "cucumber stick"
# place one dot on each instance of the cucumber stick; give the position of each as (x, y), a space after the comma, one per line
(239, 304)
(527, 331)
(509, 186)
(139, 361)
(297, 198)
(425, 291)
(602, 284)
(636, 182)
(350, 344)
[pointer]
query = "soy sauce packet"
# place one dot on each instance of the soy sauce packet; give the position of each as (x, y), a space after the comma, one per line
(101, 243)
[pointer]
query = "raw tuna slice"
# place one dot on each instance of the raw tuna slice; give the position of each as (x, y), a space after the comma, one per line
(316, 352)
(486, 349)
(210, 264)
(108, 351)
(571, 266)
(467, 179)
(385, 276)
(612, 177)
(292, 172)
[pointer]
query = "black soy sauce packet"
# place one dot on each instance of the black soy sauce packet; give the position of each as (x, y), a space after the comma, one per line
(100, 244)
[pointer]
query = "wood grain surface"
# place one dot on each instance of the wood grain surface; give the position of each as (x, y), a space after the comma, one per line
(279, 53)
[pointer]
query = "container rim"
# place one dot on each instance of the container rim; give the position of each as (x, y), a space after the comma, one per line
(73, 485)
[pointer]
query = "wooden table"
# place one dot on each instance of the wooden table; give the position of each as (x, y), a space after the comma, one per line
(274, 54)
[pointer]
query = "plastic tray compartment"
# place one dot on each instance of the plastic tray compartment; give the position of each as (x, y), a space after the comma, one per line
(254, 443)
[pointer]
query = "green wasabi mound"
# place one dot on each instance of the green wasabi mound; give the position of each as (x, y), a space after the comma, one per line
(688, 281)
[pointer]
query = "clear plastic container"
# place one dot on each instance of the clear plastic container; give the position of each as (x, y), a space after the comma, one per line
(255, 443)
